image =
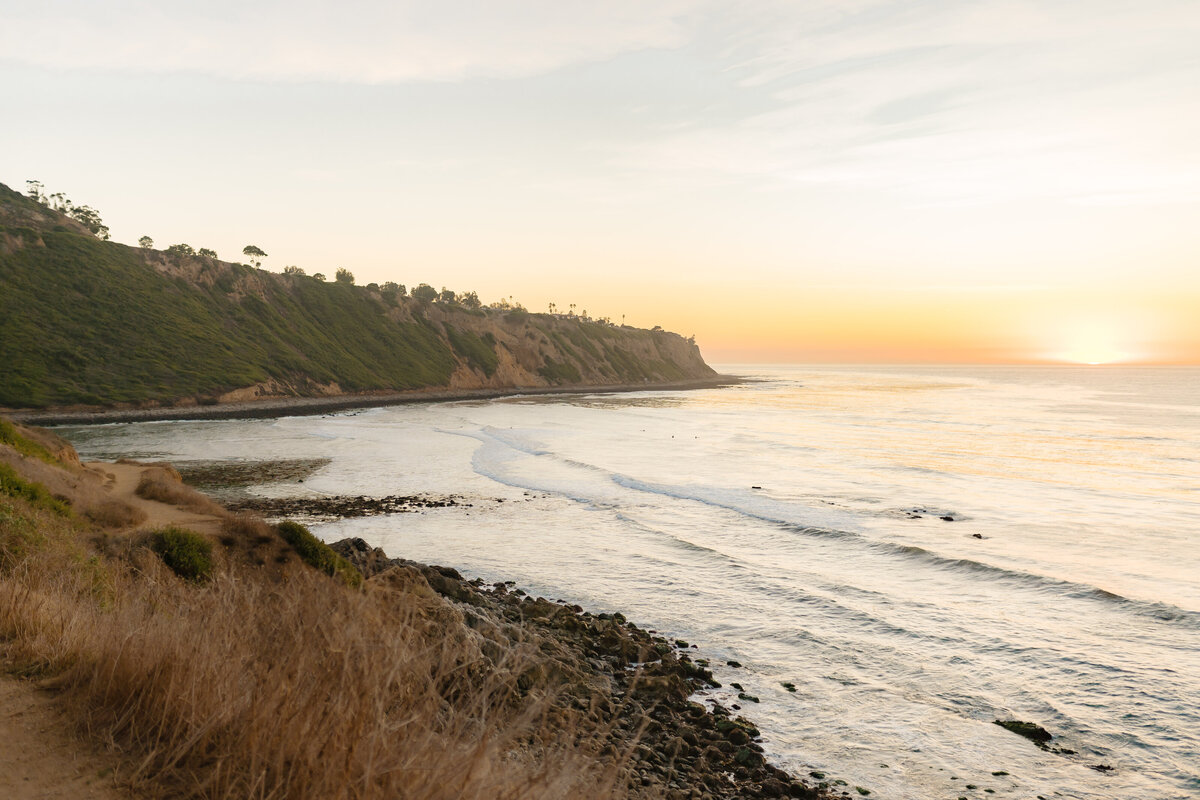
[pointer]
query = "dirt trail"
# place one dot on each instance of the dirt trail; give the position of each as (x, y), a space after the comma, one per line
(40, 757)
(121, 481)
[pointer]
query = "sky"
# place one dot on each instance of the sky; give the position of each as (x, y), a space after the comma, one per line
(787, 180)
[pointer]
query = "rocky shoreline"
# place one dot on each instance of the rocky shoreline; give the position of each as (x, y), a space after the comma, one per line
(270, 407)
(636, 683)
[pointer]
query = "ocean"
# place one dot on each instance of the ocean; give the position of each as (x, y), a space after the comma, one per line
(918, 550)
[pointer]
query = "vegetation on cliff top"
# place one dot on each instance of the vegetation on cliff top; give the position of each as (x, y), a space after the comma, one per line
(92, 322)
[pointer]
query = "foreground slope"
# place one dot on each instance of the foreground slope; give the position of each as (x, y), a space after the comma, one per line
(86, 322)
(190, 652)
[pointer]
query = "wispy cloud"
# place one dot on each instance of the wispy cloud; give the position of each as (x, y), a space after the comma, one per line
(351, 40)
(946, 102)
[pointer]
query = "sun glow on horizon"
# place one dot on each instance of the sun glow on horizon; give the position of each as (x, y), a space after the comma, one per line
(1095, 342)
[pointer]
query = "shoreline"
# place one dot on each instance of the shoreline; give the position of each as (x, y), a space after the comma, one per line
(275, 407)
(654, 693)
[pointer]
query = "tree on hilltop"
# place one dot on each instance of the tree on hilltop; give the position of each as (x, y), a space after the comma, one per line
(470, 300)
(181, 250)
(90, 218)
(344, 275)
(255, 254)
(319, 276)
(206, 252)
(35, 191)
(425, 293)
(292, 270)
(146, 242)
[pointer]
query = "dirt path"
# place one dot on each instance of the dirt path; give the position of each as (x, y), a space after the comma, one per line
(40, 757)
(121, 481)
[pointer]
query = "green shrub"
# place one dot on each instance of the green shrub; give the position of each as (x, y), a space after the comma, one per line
(317, 554)
(560, 373)
(479, 353)
(35, 494)
(187, 553)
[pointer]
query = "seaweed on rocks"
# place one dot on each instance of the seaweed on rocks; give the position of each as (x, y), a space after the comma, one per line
(344, 506)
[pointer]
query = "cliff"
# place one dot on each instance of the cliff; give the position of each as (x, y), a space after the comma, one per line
(90, 323)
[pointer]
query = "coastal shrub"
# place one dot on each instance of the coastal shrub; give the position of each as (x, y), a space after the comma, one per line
(479, 352)
(33, 493)
(115, 514)
(560, 373)
(187, 553)
(317, 554)
(164, 485)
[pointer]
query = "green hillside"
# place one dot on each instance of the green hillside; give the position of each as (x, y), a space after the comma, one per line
(85, 321)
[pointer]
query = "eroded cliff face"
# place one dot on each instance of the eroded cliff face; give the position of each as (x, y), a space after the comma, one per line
(541, 350)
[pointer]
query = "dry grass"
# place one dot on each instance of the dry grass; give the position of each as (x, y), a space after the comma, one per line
(247, 688)
(115, 514)
(164, 485)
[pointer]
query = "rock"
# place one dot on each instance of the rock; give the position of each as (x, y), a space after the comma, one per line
(1031, 731)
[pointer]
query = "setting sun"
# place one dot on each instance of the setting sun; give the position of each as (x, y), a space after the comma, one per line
(1093, 344)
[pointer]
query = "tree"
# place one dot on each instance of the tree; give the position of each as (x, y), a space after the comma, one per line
(34, 190)
(181, 250)
(470, 300)
(392, 286)
(90, 218)
(146, 242)
(446, 296)
(319, 276)
(425, 293)
(206, 252)
(344, 275)
(254, 253)
(293, 271)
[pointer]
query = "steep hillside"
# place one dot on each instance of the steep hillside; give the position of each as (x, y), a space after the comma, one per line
(87, 322)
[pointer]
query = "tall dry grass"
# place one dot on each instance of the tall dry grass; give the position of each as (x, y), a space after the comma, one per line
(247, 688)
(162, 483)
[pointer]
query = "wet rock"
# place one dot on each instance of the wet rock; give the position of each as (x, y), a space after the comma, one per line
(1030, 730)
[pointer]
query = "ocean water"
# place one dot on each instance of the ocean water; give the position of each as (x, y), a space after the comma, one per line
(794, 523)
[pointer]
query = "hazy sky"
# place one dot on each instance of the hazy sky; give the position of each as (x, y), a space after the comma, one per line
(806, 180)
